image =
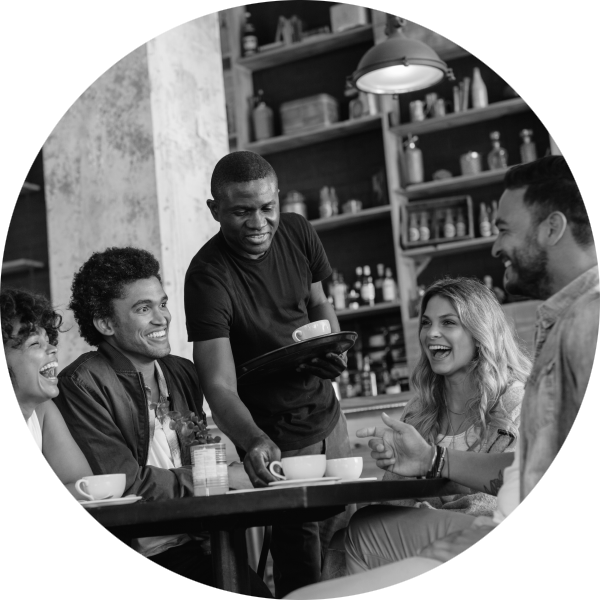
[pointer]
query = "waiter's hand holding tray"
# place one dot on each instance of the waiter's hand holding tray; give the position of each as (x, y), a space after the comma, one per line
(310, 341)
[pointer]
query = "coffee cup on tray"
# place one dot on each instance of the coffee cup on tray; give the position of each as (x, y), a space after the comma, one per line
(347, 468)
(101, 487)
(299, 467)
(311, 330)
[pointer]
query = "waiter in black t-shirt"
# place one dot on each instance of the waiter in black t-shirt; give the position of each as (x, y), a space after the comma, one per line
(246, 291)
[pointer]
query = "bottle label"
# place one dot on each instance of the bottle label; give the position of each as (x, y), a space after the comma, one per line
(413, 234)
(424, 233)
(461, 229)
(449, 230)
(485, 228)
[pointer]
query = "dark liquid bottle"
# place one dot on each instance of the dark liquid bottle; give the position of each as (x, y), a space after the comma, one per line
(554, 34)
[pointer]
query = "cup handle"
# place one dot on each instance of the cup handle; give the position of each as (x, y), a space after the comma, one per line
(297, 335)
(275, 463)
(78, 485)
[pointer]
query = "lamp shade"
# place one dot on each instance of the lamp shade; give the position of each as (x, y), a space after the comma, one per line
(397, 66)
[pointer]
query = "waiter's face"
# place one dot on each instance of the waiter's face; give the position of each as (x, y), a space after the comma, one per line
(249, 215)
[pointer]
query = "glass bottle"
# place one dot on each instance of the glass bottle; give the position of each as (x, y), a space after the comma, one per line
(424, 231)
(479, 95)
(368, 379)
(379, 282)
(413, 228)
(495, 230)
(390, 289)
(249, 39)
(449, 226)
(262, 119)
(461, 226)
(583, 26)
(498, 157)
(414, 161)
(339, 293)
(485, 227)
(354, 295)
(367, 291)
(528, 150)
(554, 34)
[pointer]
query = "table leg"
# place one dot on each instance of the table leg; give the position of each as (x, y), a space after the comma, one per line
(230, 560)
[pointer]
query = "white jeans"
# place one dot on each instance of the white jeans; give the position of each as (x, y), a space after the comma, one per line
(381, 545)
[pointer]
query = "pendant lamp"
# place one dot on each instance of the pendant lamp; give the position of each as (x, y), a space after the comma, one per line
(399, 65)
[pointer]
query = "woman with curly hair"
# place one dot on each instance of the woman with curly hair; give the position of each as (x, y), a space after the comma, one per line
(31, 428)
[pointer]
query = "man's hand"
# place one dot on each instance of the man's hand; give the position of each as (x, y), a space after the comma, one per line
(259, 455)
(238, 478)
(477, 551)
(398, 448)
(326, 367)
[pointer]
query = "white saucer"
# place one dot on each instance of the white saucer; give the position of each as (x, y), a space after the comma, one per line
(357, 480)
(305, 482)
(110, 501)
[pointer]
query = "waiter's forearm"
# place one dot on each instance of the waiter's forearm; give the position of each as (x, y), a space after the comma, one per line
(233, 418)
(324, 310)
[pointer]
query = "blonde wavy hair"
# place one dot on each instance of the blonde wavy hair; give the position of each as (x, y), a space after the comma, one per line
(498, 362)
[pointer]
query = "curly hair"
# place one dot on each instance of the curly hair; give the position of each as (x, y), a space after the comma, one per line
(34, 311)
(498, 362)
(101, 280)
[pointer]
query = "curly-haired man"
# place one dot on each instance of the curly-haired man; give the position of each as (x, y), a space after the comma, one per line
(109, 397)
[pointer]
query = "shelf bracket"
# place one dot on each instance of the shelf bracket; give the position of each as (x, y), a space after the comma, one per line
(421, 264)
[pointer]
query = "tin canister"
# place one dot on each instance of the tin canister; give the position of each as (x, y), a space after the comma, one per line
(470, 163)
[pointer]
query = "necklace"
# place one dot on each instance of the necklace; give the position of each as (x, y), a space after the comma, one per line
(18, 446)
(455, 413)
(448, 411)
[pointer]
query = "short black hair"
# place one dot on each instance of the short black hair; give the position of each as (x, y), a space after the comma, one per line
(33, 310)
(239, 167)
(101, 279)
(551, 187)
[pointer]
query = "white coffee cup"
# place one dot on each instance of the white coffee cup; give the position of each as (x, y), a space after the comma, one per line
(101, 487)
(300, 467)
(346, 468)
(311, 330)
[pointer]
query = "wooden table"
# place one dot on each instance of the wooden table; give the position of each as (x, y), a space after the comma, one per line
(228, 516)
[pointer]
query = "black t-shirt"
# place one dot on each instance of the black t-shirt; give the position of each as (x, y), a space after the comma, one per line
(257, 304)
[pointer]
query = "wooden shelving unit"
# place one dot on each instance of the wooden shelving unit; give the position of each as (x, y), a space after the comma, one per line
(447, 248)
(575, 58)
(344, 220)
(460, 119)
(336, 130)
(312, 46)
(18, 188)
(452, 184)
(363, 311)
(20, 265)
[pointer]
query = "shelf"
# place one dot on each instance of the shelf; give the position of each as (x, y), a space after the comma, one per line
(460, 119)
(312, 46)
(26, 107)
(576, 137)
(368, 403)
(18, 188)
(20, 265)
(315, 136)
(343, 220)
(453, 184)
(367, 311)
(446, 248)
(575, 58)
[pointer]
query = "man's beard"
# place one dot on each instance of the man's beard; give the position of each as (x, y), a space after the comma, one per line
(530, 265)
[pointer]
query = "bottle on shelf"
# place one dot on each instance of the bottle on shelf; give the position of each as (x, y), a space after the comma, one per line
(367, 291)
(389, 288)
(379, 283)
(461, 226)
(354, 298)
(345, 386)
(528, 149)
(479, 95)
(339, 293)
(449, 226)
(489, 283)
(485, 227)
(332, 282)
(554, 34)
(583, 26)
(249, 39)
(368, 379)
(414, 161)
(262, 119)
(424, 231)
(498, 156)
(413, 228)
(493, 218)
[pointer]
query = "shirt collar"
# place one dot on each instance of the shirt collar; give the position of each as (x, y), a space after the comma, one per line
(550, 310)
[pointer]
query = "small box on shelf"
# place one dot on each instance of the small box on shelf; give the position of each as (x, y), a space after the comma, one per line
(438, 221)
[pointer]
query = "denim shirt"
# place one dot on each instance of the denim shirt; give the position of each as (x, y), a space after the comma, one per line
(565, 344)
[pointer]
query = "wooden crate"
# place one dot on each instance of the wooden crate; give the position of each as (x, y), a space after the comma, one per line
(436, 210)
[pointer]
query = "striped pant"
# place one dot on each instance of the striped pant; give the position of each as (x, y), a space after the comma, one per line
(18, 579)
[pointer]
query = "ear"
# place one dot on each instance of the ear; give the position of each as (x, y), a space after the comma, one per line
(556, 225)
(104, 325)
(214, 209)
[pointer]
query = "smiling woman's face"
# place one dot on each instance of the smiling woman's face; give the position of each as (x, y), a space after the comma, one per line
(446, 343)
(33, 366)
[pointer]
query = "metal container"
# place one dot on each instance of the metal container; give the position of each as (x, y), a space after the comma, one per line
(470, 163)
(294, 203)
(308, 113)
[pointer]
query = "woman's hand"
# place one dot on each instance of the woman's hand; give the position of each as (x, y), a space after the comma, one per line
(399, 448)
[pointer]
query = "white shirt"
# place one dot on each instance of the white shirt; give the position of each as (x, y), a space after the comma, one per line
(508, 494)
(34, 426)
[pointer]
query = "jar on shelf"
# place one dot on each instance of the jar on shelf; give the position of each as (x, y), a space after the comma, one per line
(414, 161)
(262, 119)
(498, 156)
(470, 163)
(294, 203)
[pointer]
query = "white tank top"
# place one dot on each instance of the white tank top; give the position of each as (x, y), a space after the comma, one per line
(31, 486)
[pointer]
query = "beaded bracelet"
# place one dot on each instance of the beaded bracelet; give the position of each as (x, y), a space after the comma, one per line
(434, 466)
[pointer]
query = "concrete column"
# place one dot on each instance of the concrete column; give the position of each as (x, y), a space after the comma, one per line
(130, 164)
